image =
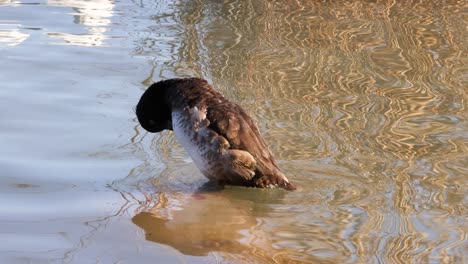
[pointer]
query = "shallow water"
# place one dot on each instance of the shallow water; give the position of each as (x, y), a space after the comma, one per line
(362, 102)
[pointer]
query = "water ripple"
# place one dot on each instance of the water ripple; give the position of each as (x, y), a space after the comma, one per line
(363, 104)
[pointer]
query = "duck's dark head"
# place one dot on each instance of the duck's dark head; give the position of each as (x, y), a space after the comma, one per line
(153, 110)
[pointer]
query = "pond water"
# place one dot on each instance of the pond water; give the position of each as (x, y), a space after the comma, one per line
(363, 103)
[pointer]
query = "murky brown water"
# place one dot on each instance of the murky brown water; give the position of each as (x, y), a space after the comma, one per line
(362, 102)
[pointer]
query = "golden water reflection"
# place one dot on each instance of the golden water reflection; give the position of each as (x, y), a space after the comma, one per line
(362, 102)
(367, 97)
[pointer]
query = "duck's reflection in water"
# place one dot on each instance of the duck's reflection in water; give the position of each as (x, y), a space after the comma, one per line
(203, 223)
(210, 222)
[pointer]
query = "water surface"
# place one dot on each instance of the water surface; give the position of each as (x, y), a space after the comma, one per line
(363, 104)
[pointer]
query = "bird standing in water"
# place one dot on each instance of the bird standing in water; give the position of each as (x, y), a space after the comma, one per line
(219, 135)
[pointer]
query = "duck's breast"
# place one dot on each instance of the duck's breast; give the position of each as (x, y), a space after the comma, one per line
(190, 129)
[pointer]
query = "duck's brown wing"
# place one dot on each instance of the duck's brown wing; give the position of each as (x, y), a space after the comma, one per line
(232, 122)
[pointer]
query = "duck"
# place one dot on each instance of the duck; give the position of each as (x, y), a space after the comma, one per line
(220, 137)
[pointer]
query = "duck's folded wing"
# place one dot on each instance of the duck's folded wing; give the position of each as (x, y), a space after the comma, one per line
(230, 121)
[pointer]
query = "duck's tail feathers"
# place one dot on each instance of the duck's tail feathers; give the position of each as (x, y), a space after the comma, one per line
(289, 186)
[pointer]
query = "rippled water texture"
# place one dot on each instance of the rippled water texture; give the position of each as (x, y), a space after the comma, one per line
(362, 102)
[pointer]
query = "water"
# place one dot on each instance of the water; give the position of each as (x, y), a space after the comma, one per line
(362, 102)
